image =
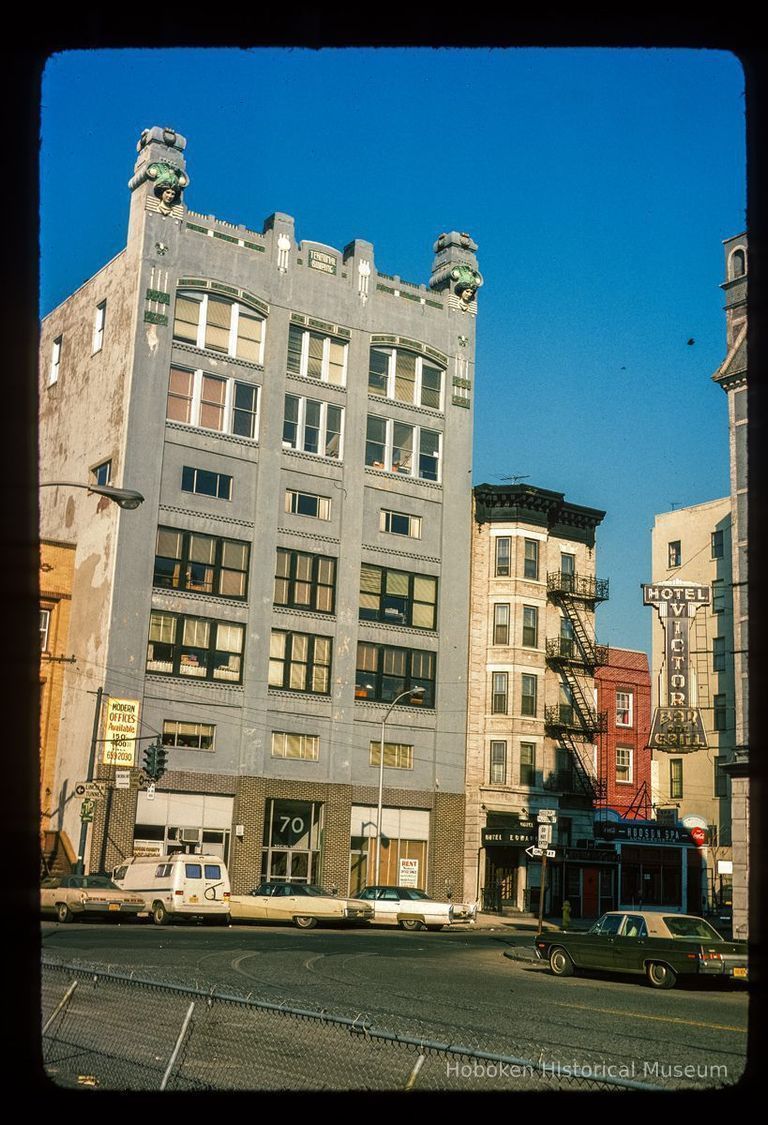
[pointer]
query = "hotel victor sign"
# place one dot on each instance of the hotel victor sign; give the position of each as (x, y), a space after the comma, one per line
(677, 725)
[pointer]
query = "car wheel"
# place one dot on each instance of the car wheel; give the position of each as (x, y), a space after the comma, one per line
(560, 963)
(63, 913)
(412, 924)
(304, 922)
(660, 976)
(160, 915)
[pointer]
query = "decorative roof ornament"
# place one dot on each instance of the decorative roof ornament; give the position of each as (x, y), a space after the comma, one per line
(467, 282)
(169, 182)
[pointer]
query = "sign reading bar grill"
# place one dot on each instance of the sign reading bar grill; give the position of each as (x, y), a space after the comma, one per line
(677, 725)
(679, 729)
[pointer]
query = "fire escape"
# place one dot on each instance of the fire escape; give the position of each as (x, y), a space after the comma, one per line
(575, 655)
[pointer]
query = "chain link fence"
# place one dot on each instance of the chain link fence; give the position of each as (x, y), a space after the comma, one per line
(117, 1031)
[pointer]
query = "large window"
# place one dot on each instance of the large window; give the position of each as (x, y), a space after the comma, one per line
(300, 662)
(498, 770)
(307, 504)
(312, 426)
(53, 370)
(188, 736)
(316, 356)
(195, 646)
(45, 624)
(219, 325)
(203, 482)
(384, 672)
(624, 707)
(675, 778)
(303, 747)
(406, 377)
(400, 523)
(397, 755)
(499, 693)
(399, 448)
(210, 402)
(674, 554)
(99, 321)
(530, 626)
(529, 691)
(720, 712)
(501, 623)
(623, 764)
(305, 581)
(531, 559)
(397, 597)
(503, 567)
(527, 763)
(186, 560)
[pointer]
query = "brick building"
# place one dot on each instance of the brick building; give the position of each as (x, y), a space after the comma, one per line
(624, 759)
(300, 425)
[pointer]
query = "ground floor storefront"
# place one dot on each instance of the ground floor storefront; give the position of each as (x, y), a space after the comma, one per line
(270, 829)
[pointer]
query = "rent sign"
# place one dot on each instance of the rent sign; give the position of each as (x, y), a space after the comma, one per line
(121, 731)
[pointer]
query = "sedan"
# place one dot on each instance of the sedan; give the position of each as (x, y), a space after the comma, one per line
(414, 909)
(301, 903)
(662, 946)
(75, 896)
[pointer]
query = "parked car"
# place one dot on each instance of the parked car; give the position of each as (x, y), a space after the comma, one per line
(301, 903)
(178, 886)
(414, 909)
(663, 946)
(73, 896)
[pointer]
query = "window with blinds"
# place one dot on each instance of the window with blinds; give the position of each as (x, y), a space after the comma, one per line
(397, 597)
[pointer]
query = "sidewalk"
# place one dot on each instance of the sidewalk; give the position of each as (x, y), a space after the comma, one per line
(524, 925)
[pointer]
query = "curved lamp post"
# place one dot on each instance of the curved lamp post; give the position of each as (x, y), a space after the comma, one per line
(413, 693)
(123, 497)
(129, 499)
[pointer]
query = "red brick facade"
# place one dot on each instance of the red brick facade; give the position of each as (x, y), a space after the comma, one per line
(626, 674)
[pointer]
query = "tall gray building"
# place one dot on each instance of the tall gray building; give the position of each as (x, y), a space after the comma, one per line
(300, 426)
(732, 377)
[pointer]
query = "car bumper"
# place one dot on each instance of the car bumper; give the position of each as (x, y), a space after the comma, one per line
(735, 970)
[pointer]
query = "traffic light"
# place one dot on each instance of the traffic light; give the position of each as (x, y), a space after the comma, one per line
(161, 757)
(150, 760)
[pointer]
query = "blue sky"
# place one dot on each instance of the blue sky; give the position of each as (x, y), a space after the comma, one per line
(599, 185)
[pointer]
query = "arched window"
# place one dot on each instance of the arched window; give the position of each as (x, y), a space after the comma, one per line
(738, 263)
(219, 324)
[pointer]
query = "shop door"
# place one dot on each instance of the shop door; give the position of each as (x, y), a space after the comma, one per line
(590, 893)
(694, 899)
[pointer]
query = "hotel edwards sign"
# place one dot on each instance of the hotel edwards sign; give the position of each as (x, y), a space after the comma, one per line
(677, 726)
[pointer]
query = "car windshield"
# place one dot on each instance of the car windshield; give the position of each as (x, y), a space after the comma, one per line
(608, 924)
(679, 925)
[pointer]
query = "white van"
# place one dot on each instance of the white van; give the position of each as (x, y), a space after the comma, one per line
(178, 886)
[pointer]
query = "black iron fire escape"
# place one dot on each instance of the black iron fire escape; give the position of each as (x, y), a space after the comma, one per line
(575, 724)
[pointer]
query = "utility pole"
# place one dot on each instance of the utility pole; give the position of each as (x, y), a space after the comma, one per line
(541, 891)
(91, 764)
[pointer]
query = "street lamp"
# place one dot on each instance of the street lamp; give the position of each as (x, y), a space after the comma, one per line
(413, 693)
(123, 497)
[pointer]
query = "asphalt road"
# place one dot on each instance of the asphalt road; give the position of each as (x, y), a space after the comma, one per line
(452, 986)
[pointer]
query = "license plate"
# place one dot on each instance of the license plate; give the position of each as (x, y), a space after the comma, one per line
(114, 906)
(739, 972)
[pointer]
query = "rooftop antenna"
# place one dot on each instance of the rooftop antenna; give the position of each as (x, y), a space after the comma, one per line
(517, 478)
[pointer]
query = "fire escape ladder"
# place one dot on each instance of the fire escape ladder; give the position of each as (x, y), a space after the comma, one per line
(590, 784)
(586, 714)
(701, 663)
(580, 632)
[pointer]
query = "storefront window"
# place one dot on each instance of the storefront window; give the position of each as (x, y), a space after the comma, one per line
(650, 877)
(292, 841)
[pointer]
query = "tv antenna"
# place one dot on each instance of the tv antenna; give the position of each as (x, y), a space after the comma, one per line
(517, 478)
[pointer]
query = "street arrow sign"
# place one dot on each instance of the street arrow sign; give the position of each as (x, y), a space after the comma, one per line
(535, 851)
(95, 790)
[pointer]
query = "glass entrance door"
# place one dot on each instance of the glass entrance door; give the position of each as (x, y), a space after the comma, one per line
(291, 850)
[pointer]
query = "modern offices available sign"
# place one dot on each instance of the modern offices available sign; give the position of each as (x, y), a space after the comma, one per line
(121, 730)
(677, 726)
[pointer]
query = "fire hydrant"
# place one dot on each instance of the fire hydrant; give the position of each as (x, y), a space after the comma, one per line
(566, 914)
